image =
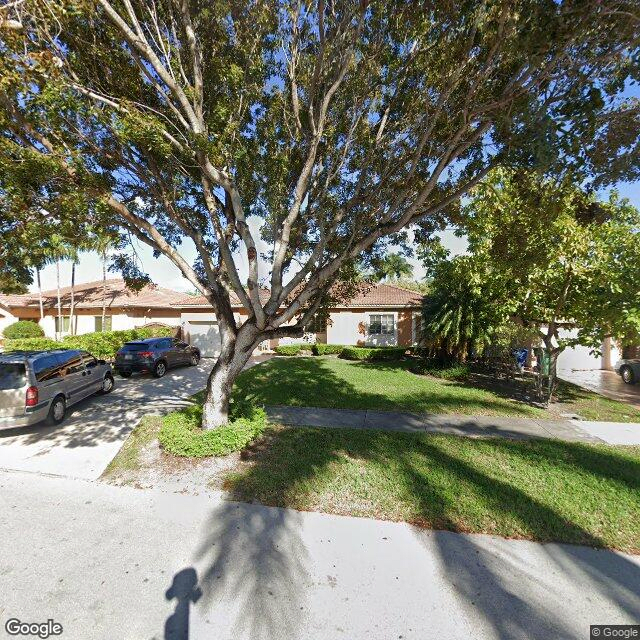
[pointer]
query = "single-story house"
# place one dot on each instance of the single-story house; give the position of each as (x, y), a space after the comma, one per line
(380, 314)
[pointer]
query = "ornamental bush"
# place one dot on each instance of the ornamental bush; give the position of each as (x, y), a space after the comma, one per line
(373, 353)
(100, 344)
(182, 435)
(23, 329)
(289, 349)
(327, 349)
(31, 344)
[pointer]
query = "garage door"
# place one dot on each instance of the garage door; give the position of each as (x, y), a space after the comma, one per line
(206, 336)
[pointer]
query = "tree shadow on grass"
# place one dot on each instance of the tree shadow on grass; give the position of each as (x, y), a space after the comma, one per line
(429, 483)
(311, 382)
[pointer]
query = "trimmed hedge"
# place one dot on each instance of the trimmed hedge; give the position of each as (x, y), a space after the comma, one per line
(105, 344)
(289, 349)
(100, 344)
(23, 329)
(182, 435)
(327, 349)
(31, 344)
(373, 353)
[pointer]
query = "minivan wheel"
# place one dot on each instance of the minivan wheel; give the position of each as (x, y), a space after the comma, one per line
(627, 375)
(125, 374)
(57, 410)
(195, 359)
(107, 385)
(160, 369)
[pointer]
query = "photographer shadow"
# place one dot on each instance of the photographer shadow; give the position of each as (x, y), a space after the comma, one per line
(185, 590)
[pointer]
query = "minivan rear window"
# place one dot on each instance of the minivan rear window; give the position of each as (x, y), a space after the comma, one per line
(46, 368)
(136, 346)
(12, 376)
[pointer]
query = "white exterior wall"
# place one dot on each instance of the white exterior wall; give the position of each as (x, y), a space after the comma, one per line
(343, 328)
(579, 357)
(6, 319)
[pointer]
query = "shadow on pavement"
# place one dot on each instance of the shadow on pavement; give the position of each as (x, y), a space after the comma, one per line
(256, 554)
(185, 590)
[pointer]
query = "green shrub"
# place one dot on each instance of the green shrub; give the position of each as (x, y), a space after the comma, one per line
(32, 344)
(23, 329)
(182, 435)
(100, 344)
(327, 349)
(105, 344)
(439, 369)
(373, 353)
(288, 349)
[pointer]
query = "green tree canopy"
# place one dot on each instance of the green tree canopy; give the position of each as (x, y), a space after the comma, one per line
(335, 124)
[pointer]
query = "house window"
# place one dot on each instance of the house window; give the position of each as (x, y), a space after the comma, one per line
(381, 324)
(98, 323)
(65, 324)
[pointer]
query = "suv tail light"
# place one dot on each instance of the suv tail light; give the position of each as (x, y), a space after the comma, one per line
(32, 397)
(145, 354)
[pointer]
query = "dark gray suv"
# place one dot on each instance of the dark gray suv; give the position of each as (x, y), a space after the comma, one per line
(155, 355)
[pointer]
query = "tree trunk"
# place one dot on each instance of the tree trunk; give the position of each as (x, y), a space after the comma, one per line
(104, 290)
(40, 294)
(235, 353)
(73, 298)
(60, 327)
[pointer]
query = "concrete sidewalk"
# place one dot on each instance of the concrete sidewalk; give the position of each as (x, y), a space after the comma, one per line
(473, 426)
(113, 562)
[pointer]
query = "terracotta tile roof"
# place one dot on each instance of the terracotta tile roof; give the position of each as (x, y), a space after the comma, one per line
(384, 295)
(90, 295)
(201, 301)
(370, 295)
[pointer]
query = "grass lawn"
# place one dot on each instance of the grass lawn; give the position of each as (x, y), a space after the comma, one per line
(544, 490)
(343, 384)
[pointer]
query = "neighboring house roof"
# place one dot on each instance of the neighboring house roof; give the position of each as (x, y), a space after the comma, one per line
(89, 295)
(201, 301)
(369, 295)
(384, 295)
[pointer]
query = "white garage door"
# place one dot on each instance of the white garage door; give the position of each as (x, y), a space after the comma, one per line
(206, 336)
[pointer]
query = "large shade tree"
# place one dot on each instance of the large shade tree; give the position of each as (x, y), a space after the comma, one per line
(335, 124)
(556, 259)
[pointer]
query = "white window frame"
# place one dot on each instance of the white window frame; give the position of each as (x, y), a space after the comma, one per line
(394, 317)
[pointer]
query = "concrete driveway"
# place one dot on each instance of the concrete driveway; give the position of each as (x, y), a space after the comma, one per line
(606, 383)
(96, 427)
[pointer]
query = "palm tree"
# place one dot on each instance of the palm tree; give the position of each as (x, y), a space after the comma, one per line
(392, 267)
(59, 331)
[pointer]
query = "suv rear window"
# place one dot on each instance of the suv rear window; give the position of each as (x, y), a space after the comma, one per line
(136, 346)
(12, 376)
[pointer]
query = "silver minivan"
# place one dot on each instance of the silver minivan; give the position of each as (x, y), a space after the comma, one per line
(40, 385)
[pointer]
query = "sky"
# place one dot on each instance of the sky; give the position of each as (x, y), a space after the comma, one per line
(165, 274)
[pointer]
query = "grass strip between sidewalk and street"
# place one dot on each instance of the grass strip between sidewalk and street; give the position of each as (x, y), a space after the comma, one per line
(545, 490)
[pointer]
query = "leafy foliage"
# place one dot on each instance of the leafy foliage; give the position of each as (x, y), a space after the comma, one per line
(31, 344)
(23, 329)
(290, 349)
(337, 125)
(459, 314)
(327, 349)
(181, 435)
(373, 353)
(100, 344)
